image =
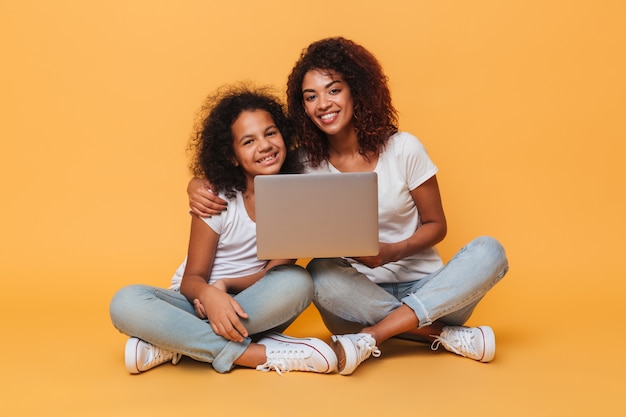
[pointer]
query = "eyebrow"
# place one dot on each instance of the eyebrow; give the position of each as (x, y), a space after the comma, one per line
(310, 90)
(251, 135)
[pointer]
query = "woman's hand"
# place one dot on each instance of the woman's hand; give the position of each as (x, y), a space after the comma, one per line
(223, 313)
(385, 255)
(427, 199)
(202, 201)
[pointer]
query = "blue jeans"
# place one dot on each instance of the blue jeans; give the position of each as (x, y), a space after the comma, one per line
(167, 319)
(348, 300)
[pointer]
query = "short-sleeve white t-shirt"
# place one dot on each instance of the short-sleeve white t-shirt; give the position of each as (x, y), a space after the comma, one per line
(236, 253)
(403, 165)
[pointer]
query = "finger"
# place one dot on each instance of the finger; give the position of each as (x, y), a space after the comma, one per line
(237, 324)
(239, 328)
(206, 204)
(211, 201)
(215, 207)
(234, 327)
(204, 211)
(239, 310)
(222, 326)
(207, 194)
(198, 209)
(199, 308)
(216, 329)
(227, 331)
(202, 311)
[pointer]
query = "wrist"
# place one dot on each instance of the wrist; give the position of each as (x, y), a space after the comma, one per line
(222, 284)
(401, 250)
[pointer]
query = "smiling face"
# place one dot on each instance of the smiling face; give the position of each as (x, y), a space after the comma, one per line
(258, 144)
(328, 102)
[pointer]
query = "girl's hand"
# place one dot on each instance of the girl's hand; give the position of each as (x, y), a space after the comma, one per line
(200, 311)
(223, 313)
(202, 201)
(221, 285)
(197, 305)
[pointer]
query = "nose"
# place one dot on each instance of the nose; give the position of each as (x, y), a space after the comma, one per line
(264, 144)
(323, 102)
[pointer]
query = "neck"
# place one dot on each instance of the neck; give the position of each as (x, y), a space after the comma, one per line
(343, 144)
(248, 193)
(344, 155)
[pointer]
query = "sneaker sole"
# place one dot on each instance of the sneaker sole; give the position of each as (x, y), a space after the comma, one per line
(340, 352)
(489, 342)
(130, 355)
(346, 353)
(319, 346)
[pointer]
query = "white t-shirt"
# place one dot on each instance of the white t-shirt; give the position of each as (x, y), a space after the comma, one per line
(236, 253)
(403, 165)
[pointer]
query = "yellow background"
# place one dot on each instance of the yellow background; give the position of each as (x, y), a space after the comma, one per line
(520, 103)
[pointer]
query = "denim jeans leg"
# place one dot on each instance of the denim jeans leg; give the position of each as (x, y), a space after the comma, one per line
(277, 299)
(166, 319)
(346, 299)
(272, 303)
(451, 293)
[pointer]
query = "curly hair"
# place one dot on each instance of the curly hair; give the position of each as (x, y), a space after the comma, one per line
(211, 143)
(375, 118)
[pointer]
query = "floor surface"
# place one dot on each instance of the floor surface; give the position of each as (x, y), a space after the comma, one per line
(68, 361)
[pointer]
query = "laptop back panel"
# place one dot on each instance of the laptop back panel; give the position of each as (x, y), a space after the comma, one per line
(316, 215)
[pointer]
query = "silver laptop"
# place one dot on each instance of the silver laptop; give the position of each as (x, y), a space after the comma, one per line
(316, 215)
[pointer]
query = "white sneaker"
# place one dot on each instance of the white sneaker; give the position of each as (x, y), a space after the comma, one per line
(352, 349)
(478, 343)
(140, 356)
(286, 354)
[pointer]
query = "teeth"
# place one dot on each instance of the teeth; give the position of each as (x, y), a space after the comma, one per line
(328, 116)
(267, 158)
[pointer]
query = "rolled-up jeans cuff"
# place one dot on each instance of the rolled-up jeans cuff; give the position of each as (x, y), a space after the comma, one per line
(419, 309)
(224, 361)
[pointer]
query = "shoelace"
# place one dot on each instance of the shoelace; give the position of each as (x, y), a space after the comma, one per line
(285, 361)
(367, 348)
(463, 341)
(162, 355)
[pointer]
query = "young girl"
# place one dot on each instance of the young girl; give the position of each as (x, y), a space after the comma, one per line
(340, 103)
(226, 294)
